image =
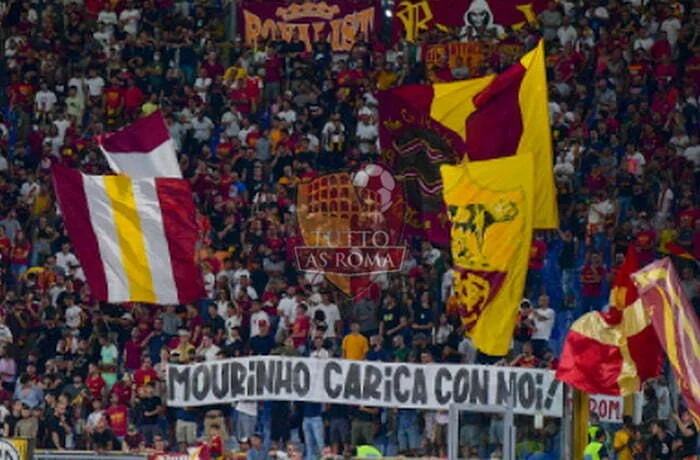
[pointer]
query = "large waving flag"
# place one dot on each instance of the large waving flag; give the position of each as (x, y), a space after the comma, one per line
(142, 149)
(425, 126)
(502, 115)
(135, 238)
(490, 205)
(613, 353)
(676, 326)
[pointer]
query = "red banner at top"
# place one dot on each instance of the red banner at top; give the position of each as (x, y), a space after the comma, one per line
(340, 22)
(413, 17)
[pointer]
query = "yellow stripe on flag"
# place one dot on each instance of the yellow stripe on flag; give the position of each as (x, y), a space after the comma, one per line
(130, 237)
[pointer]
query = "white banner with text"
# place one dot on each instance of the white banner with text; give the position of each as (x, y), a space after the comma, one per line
(421, 386)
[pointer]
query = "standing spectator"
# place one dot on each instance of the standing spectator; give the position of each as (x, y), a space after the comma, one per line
(313, 430)
(355, 345)
(543, 320)
(592, 276)
(151, 407)
(538, 253)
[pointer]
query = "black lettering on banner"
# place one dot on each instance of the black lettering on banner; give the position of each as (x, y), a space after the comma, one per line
(372, 383)
(284, 377)
(353, 389)
(387, 384)
(538, 380)
(302, 379)
(505, 388)
(461, 386)
(220, 380)
(480, 387)
(420, 394)
(526, 390)
(179, 376)
(440, 375)
(553, 387)
(201, 382)
(265, 377)
(238, 375)
(331, 392)
(250, 386)
(401, 396)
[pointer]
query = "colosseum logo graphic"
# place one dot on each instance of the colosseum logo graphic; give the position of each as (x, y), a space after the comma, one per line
(351, 225)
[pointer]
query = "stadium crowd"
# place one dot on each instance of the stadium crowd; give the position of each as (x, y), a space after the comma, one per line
(250, 124)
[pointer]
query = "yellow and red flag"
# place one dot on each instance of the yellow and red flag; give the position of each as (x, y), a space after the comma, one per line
(490, 205)
(676, 326)
(678, 251)
(613, 353)
(424, 126)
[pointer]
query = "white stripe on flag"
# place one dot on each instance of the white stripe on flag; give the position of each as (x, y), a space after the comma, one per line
(102, 218)
(148, 207)
(159, 162)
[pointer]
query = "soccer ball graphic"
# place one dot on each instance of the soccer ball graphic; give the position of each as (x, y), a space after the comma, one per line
(379, 180)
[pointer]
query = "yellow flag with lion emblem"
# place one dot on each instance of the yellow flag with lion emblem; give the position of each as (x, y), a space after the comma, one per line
(490, 206)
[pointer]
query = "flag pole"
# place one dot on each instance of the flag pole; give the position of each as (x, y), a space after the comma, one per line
(580, 424)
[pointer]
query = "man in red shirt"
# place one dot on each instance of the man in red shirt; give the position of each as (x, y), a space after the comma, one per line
(538, 252)
(133, 98)
(592, 276)
(146, 374)
(95, 383)
(113, 101)
(118, 416)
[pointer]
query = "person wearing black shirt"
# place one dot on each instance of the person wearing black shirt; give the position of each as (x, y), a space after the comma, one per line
(150, 407)
(686, 445)
(58, 428)
(216, 324)
(264, 343)
(390, 319)
(661, 442)
(103, 439)
(377, 351)
(567, 264)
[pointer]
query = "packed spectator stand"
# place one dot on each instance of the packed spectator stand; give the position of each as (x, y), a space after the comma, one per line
(251, 124)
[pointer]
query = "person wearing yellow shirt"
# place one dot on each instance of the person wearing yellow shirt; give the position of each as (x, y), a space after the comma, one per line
(150, 106)
(386, 77)
(624, 438)
(355, 345)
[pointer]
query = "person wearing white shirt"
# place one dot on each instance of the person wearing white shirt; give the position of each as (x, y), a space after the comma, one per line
(130, 18)
(257, 317)
(231, 121)
(108, 18)
(62, 124)
(45, 100)
(691, 153)
(95, 84)
(566, 33)
(332, 313)
(245, 287)
(208, 350)
(202, 127)
(65, 259)
(672, 26)
(367, 133)
(74, 314)
(287, 113)
(287, 308)
(643, 42)
(202, 84)
(447, 285)
(543, 319)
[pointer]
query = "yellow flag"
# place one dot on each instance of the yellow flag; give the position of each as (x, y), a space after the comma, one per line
(537, 136)
(502, 115)
(490, 205)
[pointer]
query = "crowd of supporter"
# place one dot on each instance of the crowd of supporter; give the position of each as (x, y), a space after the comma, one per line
(250, 125)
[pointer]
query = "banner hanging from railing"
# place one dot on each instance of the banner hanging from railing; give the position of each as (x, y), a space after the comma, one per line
(421, 386)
